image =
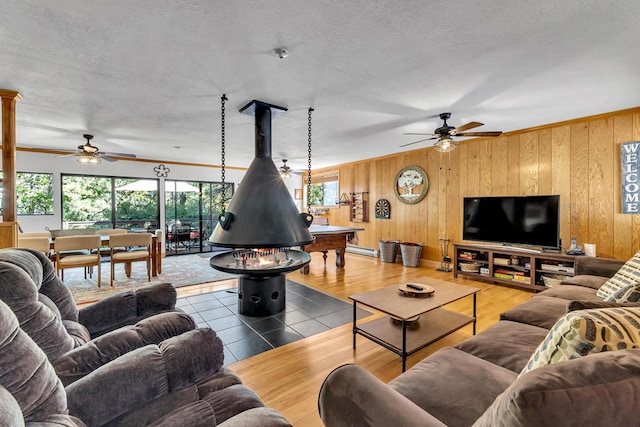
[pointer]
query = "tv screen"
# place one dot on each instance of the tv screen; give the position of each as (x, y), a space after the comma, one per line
(520, 220)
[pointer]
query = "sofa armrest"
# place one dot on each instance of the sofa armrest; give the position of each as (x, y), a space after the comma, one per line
(594, 266)
(88, 357)
(352, 396)
(144, 375)
(126, 308)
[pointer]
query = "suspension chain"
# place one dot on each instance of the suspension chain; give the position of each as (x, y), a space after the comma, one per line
(309, 165)
(222, 172)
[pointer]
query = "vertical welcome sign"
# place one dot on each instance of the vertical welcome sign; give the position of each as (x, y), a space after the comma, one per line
(630, 156)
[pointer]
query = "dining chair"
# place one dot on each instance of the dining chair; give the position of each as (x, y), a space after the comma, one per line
(105, 250)
(38, 243)
(139, 249)
(63, 245)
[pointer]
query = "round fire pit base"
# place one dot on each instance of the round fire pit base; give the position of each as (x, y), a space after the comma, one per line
(261, 295)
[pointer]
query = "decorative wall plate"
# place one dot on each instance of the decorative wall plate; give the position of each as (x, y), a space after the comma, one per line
(383, 209)
(411, 184)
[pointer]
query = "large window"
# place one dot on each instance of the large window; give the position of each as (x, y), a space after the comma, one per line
(323, 190)
(106, 202)
(34, 193)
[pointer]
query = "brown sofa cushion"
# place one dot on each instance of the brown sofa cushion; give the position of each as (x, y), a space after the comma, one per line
(586, 280)
(453, 386)
(600, 388)
(542, 311)
(570, 292)
(507, 344)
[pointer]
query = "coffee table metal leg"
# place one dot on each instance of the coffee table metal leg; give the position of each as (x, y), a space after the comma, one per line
(404, 345)
(354, 324)
(475, 320)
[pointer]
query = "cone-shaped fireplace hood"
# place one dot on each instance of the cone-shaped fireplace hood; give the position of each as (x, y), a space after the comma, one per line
(262, 213)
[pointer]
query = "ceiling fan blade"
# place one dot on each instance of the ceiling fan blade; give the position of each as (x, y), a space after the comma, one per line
(107, 158)
(411, 133)
(462, 128)
(69, 155)
(415, 142)
(129, 156)
(489, 133)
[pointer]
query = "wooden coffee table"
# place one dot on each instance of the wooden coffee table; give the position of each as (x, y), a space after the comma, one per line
(397, 332)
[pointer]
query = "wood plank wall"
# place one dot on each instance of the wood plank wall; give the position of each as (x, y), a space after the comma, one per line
(577, 159)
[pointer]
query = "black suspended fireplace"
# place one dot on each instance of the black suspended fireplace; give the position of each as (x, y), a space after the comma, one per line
(263, 226)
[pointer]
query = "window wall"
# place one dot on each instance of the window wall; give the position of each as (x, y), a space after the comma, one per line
(109, 202)
(191, 213)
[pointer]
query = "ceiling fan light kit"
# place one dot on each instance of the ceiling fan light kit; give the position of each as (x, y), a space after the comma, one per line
(445, 145)
(88, 160)
(285, 170)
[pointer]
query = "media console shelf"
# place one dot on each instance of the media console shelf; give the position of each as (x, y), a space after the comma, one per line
(516, 267)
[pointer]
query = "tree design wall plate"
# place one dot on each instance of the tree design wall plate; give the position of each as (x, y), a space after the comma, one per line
(411, 184)
(383, 209)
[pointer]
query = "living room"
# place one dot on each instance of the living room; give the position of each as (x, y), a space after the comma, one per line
(571, 149)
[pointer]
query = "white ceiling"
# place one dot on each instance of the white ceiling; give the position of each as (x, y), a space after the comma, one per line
(146, 76)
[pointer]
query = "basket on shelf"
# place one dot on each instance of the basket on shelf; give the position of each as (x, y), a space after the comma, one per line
(470, 267)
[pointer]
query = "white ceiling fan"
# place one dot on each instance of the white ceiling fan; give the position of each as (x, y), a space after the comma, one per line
(90, 154)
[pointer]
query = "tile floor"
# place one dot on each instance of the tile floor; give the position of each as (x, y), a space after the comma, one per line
(307, 313)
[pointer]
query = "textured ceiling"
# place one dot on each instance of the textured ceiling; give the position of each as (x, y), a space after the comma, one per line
(146, 76)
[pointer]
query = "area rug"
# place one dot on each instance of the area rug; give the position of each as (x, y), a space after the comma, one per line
(308, 312)
(181, 270)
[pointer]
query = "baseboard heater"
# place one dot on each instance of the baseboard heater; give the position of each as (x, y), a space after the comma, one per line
(362, 251)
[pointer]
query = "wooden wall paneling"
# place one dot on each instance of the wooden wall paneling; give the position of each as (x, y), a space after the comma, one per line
(561, 177)
(579, 160)
(529, 163)
(416, 219)
(513, 165)
(473, 169)
(387, 193)
(499, 170)
(579, 182)
(463, 188)
(601, 182)
(544, 161)
(636, 218)
(485, 183)
(434, 212)
(454, 200)
(622, 223)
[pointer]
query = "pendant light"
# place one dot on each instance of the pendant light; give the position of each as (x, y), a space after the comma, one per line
(285, 170)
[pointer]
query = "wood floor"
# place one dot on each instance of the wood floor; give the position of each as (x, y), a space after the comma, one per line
(288, 378)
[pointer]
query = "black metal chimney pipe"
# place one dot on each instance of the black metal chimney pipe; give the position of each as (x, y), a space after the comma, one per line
(262, 213)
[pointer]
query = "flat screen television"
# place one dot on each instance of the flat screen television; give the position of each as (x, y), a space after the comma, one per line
(513, 220)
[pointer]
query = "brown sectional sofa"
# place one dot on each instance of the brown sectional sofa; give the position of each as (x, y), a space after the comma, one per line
(477, 382)
(130, 360)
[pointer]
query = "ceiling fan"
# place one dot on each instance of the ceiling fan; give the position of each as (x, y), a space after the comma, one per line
(90, 154)
(444, 134)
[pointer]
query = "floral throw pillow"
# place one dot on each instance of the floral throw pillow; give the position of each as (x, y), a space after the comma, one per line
(583, 332)
(628, 275)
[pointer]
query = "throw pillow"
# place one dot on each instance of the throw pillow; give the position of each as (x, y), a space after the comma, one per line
(627, 294)
(628, 275)
(583, 332)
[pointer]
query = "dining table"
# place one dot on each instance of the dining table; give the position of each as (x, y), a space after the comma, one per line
(156, 252)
